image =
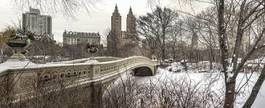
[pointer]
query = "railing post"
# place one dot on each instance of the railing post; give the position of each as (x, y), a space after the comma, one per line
(95, 71)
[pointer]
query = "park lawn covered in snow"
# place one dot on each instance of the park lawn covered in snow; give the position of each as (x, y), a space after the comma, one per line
(217, 80)
(171, 78)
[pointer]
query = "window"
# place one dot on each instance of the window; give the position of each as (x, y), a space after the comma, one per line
(46, 78)
(62, 75)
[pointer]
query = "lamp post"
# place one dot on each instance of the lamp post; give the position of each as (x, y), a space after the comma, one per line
(18, 43)
(91, 49)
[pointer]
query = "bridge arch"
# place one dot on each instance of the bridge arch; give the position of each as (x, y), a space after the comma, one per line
(143, 70)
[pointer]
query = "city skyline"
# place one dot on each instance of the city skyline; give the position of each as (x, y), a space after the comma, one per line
(132, 53)
(98, 16)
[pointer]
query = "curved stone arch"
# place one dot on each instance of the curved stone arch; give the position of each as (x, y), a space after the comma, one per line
(143, 70)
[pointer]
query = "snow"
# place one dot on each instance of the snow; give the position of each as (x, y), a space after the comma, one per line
(14, 64)
(204, 79)
(258, 60)
(238, 60)
(176, 67)
(41, 56)
(259, 102)
(202, 66)
(17, 64)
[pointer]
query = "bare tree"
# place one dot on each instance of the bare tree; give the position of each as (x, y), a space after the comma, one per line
(208, 33)
(248, 12)
(235, 19)
(44, 48)
(180, 93)
(174, 38)
(155, 27)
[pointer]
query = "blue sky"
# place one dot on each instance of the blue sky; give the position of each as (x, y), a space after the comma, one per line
(97, 20)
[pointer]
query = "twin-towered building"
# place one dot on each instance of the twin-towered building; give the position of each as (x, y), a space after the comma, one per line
(120, 42)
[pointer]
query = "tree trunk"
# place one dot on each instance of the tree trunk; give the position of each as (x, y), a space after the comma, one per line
(230, 94)
(255, 90)
(174, 52)
(211, 58)
(164, 44)
(230, 85)
(1, 55)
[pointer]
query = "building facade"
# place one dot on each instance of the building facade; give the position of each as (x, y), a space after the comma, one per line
(122, 43)
(39, 24)
(74, 38)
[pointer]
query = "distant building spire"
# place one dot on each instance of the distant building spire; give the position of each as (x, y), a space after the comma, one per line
(116, 21)
(131, 23)
(116, 7)
(130, 11)
(116, 11)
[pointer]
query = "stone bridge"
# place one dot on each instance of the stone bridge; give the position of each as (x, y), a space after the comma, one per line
(77, 83)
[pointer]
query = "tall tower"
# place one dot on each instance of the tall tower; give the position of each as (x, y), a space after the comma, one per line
(131, 23)
(116, 22)
(114, 38)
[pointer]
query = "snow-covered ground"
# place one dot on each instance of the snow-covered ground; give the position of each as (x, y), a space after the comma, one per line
(202, 66)
(176, 71)
(203, 79)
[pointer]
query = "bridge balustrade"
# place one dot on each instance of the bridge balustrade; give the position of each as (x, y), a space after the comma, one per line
(29, 79)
